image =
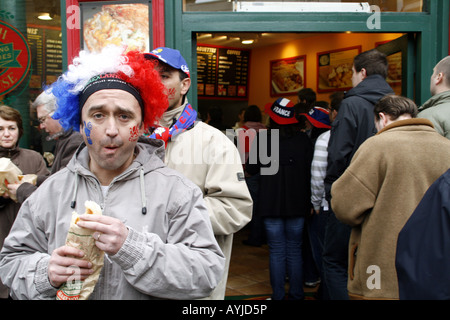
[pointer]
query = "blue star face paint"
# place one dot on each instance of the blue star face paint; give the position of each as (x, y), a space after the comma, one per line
(87, 131)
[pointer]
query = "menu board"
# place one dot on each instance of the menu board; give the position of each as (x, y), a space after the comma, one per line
(222, 72)
(46, 52)
(206, 71)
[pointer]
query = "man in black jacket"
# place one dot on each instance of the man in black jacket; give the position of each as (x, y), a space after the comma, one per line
(422, 259)
(352, 126)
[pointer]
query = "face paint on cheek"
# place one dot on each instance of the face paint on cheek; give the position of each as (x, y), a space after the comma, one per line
(87, 131)
(134, 133)
(171, 93)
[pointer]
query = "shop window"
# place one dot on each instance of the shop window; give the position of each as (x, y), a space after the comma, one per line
(45, 40)
(302, 6)
(38, 22)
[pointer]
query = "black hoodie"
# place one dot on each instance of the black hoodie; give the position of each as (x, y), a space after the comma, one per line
(354, 123)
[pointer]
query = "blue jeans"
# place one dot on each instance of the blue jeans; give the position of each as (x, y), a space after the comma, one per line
(284, 237)
(335, 257)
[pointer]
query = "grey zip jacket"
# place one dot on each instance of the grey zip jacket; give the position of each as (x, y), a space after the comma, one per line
(170, 251)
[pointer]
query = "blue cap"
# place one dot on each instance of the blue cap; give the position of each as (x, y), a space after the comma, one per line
(318, 117)
(172, 57)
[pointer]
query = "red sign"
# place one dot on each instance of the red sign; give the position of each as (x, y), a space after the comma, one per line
(15, 58)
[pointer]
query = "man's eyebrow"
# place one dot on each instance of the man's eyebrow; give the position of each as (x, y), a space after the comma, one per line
(95, 108)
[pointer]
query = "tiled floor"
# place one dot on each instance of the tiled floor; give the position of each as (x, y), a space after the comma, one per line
(249, 270)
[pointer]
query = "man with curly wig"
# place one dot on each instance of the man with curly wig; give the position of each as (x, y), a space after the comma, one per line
(154, 230)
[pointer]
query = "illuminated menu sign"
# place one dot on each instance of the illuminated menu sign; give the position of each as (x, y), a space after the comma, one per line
(46, 49)
(222, 72)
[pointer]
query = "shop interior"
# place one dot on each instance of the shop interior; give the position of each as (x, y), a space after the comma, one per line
(320, 61)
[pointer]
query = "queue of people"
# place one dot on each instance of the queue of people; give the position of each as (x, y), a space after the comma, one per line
(346, 198)
(368, 175)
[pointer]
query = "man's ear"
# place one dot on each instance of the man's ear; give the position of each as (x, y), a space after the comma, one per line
(363, 73)
(439, 79)
(185, 85)
(384, 118)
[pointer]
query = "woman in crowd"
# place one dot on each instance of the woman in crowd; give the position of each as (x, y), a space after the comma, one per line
(28, 161)
(284, 197)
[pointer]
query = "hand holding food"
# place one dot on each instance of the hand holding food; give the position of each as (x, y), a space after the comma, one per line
(80, 238)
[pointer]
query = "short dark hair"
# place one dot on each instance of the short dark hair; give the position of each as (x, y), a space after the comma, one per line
(308, 95)
(374, 61)
(336, 99)
(253, 113)
(394, 106)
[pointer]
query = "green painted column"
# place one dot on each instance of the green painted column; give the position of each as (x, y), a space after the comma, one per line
(18, 98)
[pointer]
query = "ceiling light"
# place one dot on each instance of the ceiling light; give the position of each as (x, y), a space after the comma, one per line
(204, 35)
(45, 16)
(247, 41)
(218, 38)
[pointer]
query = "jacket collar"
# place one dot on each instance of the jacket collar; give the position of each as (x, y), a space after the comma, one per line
(170, 116)
(372, 89)
(407, 122)
(9, 153)
(436, 99)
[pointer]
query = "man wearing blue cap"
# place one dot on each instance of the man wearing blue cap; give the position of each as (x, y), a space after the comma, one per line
(204, 155)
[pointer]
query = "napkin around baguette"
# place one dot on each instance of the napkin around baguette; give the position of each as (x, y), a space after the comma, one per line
(81, 238)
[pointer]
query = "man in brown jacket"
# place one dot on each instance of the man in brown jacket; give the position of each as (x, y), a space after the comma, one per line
(387, 178)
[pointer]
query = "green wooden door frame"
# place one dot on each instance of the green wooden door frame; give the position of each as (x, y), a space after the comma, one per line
(431, 30)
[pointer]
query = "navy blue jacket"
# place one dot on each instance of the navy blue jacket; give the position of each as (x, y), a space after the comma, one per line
(423, 246)
(354, 123)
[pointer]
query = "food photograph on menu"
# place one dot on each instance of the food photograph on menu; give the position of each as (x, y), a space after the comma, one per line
(287, 75)
(115, 23)
(335, 69)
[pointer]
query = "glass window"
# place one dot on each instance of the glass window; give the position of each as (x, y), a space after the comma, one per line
(39, 22)
(303, 6)
(43, 18)
(45, 41)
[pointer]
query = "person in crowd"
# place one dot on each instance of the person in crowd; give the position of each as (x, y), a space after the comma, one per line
(245, 137)
(308, 97)
(320, 205)
(28, 161)
(422, 260)
(370, 195)
(204, 155)
(352, 126)
(158, 243)
(248, 132)
(215, 118)
(437, 108)
(284, 197)
(67, 142)
(316, 121)
(240, 122)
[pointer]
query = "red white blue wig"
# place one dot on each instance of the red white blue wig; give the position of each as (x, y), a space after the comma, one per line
(109, 69)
